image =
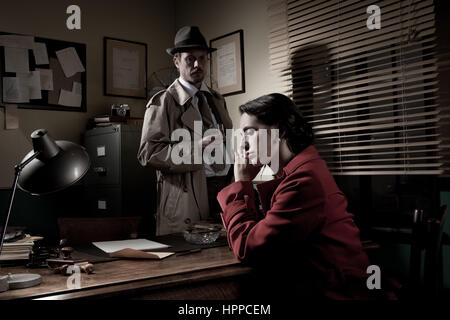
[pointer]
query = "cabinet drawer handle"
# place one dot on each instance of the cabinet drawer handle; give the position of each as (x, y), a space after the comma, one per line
(100, 170)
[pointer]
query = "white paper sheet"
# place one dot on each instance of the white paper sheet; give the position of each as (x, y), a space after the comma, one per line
(14, 91)
(14, 41)
(126, 69)
(69, 99)
(40, 53)
(226, 65)
(77, 88)
(46, 79)
(136, 244)
(32, 81)
(70, 61)
(11, 117)
(16, 60)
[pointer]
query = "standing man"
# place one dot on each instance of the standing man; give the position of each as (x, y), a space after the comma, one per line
(186, 191)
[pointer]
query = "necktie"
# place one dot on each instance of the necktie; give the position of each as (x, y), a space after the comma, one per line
(204, 111)
(208, 123)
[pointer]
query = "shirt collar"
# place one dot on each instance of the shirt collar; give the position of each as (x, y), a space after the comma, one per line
(192, 90)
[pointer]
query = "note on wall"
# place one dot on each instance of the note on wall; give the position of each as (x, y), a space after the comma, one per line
(16, 60)
(14, 91)
(40, 53)
(69, 99)
(46, 79)
(60, 81)
(16, 41)
(32, 82)
(77, 88)
(11, 117)
(70, 61)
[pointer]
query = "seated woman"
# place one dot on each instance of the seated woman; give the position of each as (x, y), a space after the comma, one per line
(300, 235)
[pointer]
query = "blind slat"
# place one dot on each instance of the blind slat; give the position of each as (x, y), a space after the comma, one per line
(378, 126)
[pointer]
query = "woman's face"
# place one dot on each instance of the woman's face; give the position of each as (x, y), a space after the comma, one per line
(259, 139)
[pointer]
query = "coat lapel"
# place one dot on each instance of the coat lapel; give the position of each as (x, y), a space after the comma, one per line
(219, 106)
(183, 100)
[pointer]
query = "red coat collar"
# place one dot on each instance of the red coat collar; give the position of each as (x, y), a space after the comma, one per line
(267, 189)
(310, 153)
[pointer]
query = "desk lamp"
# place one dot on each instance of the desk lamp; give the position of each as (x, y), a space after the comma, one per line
(51, 166)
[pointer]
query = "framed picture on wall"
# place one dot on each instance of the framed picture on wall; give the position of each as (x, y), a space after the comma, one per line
(125, 68)
(227, 64)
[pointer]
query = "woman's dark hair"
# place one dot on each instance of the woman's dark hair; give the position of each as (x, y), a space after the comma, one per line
(277, 109)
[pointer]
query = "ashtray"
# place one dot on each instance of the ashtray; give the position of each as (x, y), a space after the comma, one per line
(202, 234)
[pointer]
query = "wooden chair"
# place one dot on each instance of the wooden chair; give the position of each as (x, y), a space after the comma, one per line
(433, 256)
(417, 246)
(80, 231)
(427, 235)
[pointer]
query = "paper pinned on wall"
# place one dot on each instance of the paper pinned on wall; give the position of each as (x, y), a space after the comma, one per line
(15, 41)
(14, 91)
(40, 53)
(46, 79)
(16, 60)
(69, 99)
(70, 61)
(11, 117)
(60, 81)
(77, 88)
(31, 82)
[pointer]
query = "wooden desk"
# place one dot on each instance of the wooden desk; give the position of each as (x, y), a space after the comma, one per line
(210, 274)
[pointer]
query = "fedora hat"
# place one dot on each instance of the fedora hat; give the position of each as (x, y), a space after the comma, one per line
(189, 37)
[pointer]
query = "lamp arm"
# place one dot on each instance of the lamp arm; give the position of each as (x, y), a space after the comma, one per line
(18, 169)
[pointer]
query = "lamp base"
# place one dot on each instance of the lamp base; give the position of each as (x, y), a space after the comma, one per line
(4, 285)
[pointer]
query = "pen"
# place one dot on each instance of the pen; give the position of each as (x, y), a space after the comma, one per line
(182, 253)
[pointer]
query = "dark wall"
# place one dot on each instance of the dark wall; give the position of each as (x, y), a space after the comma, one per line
(39, 214)
(388, 200)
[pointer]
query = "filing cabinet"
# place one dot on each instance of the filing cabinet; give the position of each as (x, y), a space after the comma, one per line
(116, 184)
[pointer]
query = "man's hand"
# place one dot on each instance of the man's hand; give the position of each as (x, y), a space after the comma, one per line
(243, 169)
(206, 141)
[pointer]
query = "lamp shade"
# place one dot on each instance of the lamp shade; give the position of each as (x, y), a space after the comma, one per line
(58, 165)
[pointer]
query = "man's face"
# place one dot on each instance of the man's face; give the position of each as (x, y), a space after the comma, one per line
(192, 66)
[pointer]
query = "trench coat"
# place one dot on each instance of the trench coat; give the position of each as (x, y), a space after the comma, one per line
(303, 235)
(182, 191)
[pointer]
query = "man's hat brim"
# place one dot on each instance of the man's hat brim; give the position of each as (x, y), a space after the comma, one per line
(185, 48)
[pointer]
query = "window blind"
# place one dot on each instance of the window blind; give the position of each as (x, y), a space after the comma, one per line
(371, 95)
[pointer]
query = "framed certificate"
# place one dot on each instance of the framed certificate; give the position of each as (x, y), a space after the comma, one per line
(227, 64)
(125, 68)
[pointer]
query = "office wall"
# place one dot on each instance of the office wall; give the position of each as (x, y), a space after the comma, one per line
(149, 21)
(216, 18)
